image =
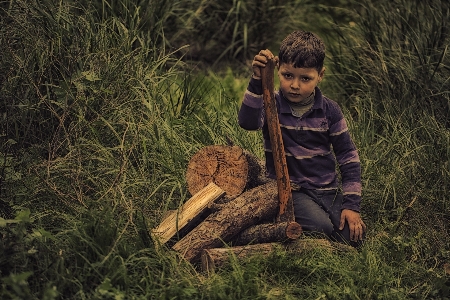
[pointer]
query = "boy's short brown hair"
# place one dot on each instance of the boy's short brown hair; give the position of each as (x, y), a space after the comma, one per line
(303, 49)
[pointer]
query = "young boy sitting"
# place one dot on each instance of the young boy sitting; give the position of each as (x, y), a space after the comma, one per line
(315, 137)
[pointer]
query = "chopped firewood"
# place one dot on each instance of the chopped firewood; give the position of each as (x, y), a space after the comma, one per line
(188, 213)
(269, 232)
(216, 257)
(250, 208)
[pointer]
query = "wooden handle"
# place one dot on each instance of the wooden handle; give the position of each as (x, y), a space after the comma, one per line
(286, 212)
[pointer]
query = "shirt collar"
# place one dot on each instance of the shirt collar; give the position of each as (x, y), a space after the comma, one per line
(286, 109)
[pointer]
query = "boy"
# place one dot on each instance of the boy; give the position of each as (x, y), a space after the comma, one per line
(315, 137)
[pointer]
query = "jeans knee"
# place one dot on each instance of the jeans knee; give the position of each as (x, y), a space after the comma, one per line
(326, 227)
(320, 226)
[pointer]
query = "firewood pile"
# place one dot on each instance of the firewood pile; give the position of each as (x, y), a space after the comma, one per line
(233, 211)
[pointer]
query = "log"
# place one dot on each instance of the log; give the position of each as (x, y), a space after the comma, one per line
(286, 207)
(187, 214)
(217, 257)
(256, 171)
(229, 167)
(269, 232)
(250, 208)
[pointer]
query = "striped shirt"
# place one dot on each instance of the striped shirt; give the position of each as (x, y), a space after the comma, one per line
(314, 143)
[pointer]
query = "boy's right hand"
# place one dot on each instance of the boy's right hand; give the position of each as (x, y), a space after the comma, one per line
(260, 61)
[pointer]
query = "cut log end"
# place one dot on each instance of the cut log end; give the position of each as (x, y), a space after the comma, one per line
(226, 166)
(293, 230)
(232, 168)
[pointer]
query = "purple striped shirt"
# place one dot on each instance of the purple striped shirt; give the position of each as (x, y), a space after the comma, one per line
(313, 143)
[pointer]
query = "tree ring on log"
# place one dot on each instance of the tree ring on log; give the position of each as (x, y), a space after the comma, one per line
(226, 166)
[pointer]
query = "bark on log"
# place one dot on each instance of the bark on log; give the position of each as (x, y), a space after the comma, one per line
(269, 232)
(216, 257)
(256, 171)
(229, 167)
(248, 209)
(188, 213)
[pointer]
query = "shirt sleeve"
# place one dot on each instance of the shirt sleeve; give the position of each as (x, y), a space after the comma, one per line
(348, 160)
(251, 114)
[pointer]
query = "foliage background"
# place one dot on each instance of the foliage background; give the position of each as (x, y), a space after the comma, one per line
(104, 102)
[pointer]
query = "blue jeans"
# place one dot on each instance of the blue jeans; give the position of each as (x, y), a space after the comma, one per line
(319, 212)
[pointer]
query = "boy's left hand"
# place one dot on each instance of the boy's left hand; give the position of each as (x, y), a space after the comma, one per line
(355, 223)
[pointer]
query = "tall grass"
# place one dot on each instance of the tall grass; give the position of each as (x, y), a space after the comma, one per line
(391, 68)
(397, 51)
(99, 123)
(232, 30)
(101, 114)
(74, 118)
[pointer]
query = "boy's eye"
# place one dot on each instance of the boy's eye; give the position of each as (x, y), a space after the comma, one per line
(306, 78)
(287, 76)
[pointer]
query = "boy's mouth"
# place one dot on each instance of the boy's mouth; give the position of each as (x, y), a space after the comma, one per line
(294, 95)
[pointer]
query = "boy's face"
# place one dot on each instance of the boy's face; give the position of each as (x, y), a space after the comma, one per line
(298, 83)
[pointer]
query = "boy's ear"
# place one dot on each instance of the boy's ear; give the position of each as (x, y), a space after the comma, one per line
(277, 62)
(321, 74)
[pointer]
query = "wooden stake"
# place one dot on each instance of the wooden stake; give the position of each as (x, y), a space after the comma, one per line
(286, 208)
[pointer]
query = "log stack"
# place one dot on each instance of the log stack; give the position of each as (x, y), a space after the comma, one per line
(245, 224)
(246, 217)
(252, 207)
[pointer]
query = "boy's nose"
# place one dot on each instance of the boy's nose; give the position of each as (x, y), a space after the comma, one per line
(295, 84)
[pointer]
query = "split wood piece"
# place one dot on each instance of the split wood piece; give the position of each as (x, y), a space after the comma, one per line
(269, 232)
(250, 208)
(217, 257)
(191, 224)
(286, 207)
(229, 167)
(192, 209)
